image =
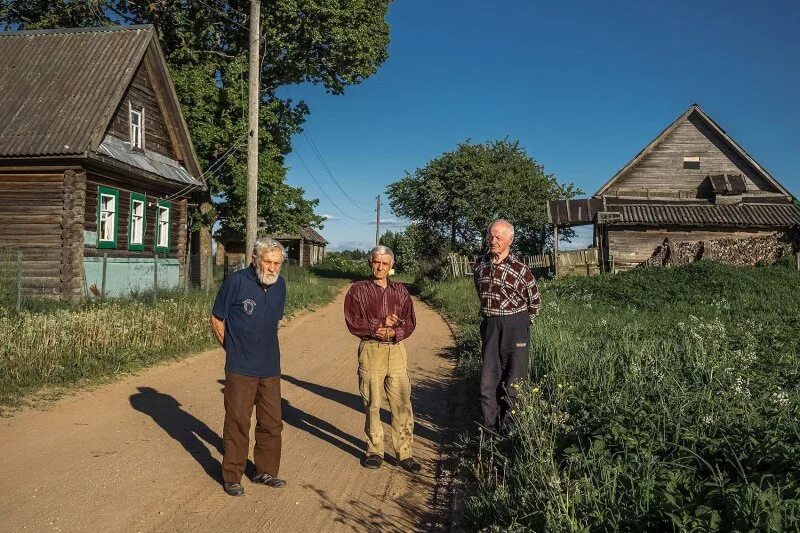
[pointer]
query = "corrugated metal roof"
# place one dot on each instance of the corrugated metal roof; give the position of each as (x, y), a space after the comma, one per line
(58, 87)
(147, 160)
(772, 215)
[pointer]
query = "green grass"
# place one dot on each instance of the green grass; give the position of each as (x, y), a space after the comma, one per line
(62, 347)
(662, 399)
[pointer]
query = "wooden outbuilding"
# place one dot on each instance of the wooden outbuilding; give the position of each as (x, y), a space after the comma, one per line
(691, 183)
(95, 160)
(304, 248)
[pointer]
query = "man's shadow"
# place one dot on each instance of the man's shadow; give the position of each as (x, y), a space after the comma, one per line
(193, 434)
(354, 402)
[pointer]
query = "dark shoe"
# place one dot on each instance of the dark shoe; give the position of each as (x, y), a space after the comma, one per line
(234, 489)
(410, 465)
(269, 481)
(372, 461)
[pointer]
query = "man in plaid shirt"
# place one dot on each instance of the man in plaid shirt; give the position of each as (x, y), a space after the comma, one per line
(509, 299)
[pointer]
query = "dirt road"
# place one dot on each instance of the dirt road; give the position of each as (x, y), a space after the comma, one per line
(143, 454)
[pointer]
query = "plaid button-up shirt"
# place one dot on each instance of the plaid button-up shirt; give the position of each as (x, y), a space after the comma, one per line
(506, 288)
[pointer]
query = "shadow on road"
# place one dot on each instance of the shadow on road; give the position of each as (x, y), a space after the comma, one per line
(193, 434)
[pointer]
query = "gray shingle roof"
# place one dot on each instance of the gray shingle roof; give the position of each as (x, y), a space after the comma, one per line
(58, 88)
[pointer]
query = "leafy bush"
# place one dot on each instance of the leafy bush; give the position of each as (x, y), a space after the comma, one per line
(659, 399)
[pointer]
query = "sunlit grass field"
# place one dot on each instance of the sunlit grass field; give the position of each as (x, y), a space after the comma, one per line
(61, 346)
(661, 399)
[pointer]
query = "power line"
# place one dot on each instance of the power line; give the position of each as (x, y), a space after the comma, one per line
(225, 16)
(327, 169)
(323, 190)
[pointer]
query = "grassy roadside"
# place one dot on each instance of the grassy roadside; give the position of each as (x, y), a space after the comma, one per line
(657, 400)
(64, 348)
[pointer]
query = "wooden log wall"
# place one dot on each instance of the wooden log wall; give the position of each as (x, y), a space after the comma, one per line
(31, 216)
(662, 168)
(630, 246)
(72, 217)
(142, 95)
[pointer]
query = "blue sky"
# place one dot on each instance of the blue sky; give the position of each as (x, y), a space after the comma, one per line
(582, 85)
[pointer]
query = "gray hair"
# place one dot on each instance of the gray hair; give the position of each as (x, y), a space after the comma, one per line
(509, 226)
(265, 245)
(381, 250)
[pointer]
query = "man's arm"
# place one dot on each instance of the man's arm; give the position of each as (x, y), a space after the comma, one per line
(355, 317)
(532, 294)
(218, 327)
(407, 321)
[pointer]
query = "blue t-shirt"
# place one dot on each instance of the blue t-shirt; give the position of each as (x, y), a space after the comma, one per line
(251, 314)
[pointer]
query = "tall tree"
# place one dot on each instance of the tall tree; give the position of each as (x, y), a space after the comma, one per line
(335, 44)
(459, 193)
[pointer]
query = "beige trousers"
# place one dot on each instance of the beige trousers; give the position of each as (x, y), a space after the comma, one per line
(382, 367)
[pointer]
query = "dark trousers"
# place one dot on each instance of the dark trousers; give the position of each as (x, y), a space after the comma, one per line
(241, 394)
(505, 361)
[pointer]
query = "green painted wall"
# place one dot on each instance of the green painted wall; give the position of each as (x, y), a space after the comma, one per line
(128, 275)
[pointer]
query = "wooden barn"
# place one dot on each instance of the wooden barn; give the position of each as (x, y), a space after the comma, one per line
(304, 248)
(692, 183)
(95, 160)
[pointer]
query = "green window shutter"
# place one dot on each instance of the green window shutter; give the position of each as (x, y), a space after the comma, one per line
(108, 218)
(134, 244)
(161, 242)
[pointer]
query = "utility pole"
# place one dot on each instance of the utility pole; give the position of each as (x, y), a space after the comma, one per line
(252, 125)
(378, 221)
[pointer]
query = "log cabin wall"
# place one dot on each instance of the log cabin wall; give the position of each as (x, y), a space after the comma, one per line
(139, 262)
(631, 245)
(33, 219)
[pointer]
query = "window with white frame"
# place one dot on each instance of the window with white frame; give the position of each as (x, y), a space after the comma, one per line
(162, 226)
(136, 122)
(107, 213)
(137, 222)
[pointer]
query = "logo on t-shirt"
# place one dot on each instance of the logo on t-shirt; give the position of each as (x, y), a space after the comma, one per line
(249, 306)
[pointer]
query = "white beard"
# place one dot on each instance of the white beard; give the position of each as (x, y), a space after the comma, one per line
(266, 279)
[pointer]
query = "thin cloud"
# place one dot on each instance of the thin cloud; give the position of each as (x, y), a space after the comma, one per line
(326, 216)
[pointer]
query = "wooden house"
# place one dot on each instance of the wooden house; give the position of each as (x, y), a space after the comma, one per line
(304, 248)
(691, 183)
(95, 160)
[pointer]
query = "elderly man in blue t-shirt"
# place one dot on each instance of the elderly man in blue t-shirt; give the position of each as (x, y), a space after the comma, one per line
(245, 319)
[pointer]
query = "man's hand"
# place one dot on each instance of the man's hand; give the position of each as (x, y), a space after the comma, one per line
(218, 327)
(391, 320)
(385, 334)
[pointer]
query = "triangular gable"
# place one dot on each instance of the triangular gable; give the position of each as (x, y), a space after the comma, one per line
(738, 156)
(152, 73)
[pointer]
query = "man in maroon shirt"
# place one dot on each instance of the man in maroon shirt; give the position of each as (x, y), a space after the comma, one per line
(380, 313)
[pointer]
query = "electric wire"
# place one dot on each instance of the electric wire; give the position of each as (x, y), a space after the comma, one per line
(323, 190)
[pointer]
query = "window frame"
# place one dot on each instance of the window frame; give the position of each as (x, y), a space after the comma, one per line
(140, 127)
(162, 204)
(137, 246)
(114, 193)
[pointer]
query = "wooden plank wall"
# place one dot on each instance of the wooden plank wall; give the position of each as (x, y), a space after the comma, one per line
(663, 168)
(31, 213)
(630, 246)
(142, 95)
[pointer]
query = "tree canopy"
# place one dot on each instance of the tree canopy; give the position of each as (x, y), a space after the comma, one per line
(459, 193)
(335, 44)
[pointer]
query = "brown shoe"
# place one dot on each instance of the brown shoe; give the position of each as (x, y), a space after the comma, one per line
(234, 489)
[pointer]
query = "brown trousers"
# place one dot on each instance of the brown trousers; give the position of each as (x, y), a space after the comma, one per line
(241, 394)
(382, 367)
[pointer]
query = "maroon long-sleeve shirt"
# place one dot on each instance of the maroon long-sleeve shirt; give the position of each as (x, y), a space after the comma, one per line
(367, 304)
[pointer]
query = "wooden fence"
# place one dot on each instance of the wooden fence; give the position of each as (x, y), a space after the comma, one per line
(572, 263)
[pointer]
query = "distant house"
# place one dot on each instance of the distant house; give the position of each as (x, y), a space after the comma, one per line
(692, 183)
(95, 159)
(304, 248)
